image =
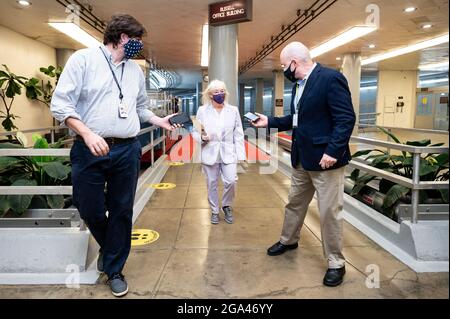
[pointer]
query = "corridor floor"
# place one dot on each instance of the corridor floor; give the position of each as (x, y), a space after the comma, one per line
(194, 259)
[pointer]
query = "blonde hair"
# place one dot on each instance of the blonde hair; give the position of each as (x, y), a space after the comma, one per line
(215, 84)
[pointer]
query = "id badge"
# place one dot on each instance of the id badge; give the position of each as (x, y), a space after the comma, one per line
(294, 120)
(123, 111)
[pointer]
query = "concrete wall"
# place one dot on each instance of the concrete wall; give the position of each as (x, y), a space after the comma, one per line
(24, 56)
(391, 86)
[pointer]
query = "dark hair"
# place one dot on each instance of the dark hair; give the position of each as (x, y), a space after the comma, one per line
(122, 23)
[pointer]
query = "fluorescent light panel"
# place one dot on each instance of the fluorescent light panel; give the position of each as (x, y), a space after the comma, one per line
(75, 32)
(412, 48)
(205, 43)
(343, 38)
(434, 66)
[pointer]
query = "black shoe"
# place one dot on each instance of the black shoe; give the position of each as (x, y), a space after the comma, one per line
(280, 248)
(100, 261)
(334, 277)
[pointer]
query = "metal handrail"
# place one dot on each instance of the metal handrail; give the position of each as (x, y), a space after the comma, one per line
(32, 130)
(66, 190)
(414, 183)
(400, 147)
(416, 130)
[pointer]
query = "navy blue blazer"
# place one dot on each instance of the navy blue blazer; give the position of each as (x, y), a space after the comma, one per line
(325, 121)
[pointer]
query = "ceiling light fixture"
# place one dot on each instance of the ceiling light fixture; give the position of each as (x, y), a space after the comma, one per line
(75, 32)
(338, 58)
(205, 46)
(427, 26)
(410, 9)
(411, 48)
(341, 39)
(372, 46)
(24, 3)
(434, 66)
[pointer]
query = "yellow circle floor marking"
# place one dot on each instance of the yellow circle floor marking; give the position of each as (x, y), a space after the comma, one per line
(175, 163)
(141, 237)
(163, 186)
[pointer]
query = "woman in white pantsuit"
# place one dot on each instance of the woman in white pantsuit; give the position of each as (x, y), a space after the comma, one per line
(222, 140)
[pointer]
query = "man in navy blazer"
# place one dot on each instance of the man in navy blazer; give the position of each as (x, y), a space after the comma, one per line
(322, 120)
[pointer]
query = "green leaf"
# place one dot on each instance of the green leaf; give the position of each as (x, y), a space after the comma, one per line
(55, 201)
(20, 203)
(9, 145)
(385, 185)
(408, 161)
(438, 144)
(17, 176)
(379, 160)
(8, 124)
(32, 89)
(426, 168)
(397, 158)
(394, 194)
(7, 162)
(56, 170)
(442, 159)
(38, 202)
(425, 142)
(354, 175)
(35, 137)
(390, 135)
(361, 153)
(41, 143)
(356, 189)
(4, 204)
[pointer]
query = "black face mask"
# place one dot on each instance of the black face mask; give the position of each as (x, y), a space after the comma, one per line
(290, 75)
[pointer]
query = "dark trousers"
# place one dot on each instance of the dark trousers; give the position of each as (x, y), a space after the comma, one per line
(107, 183)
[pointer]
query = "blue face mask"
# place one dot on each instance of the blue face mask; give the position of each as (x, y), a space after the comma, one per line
(219, 98)
(132, 48)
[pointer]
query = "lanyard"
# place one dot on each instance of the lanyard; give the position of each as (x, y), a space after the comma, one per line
(114, 75)
(299, 86)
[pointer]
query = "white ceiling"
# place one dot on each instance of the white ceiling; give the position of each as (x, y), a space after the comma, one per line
(175, 27)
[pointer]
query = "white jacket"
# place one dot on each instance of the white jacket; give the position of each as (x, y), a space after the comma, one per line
(225, 132)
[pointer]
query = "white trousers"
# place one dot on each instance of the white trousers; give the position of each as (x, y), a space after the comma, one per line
(228, 175)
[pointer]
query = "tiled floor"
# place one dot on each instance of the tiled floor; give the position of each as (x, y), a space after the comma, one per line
(194, 259)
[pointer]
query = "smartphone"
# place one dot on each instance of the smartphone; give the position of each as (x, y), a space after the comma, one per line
(251, 117)
(181, 118)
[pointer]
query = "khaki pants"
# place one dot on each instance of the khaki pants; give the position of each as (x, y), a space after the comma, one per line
(329, 186)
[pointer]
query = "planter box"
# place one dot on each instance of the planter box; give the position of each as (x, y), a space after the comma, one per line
(424, 246)
(67, 254)
(46, 250)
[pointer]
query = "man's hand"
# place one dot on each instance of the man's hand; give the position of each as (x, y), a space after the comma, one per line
(327, 161)
(96, 144)
(164, 122)
(263, 121)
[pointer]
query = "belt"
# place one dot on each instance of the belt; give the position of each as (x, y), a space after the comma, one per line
(112, 140)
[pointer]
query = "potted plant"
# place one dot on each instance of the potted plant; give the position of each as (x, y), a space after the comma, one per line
(433, 167)
(11, 86)
(47, 90)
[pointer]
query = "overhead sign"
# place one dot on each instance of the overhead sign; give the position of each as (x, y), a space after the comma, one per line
(229, 12)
